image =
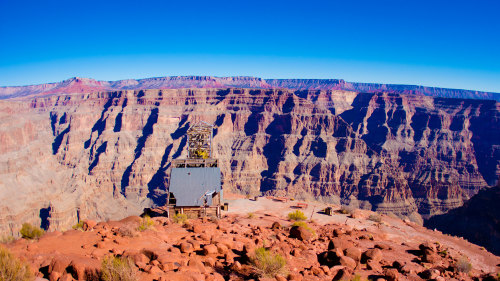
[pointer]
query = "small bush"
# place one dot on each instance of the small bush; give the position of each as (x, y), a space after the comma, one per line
(463, 265)
(375, 218)
(29, 231)
(304, 225)
(180, 218)
(78, 226)
(117, 269)
(268, 264)
(12, 268)
(146, 223)
(297, 216)
(356, 278)
(251, 215)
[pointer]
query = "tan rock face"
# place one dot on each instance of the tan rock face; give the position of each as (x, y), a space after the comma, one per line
(106, 155)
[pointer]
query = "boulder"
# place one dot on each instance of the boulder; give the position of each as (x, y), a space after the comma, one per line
(354, 253)
(210, 249)
(301, 233)
(186, 247)
(372, 254)
(89, 224)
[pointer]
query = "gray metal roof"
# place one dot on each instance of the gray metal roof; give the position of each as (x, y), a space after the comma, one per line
(191, 185)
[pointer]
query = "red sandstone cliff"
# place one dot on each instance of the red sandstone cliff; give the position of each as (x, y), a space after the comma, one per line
(106, 155)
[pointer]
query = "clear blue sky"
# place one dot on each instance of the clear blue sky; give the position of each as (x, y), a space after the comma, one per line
(435, 43)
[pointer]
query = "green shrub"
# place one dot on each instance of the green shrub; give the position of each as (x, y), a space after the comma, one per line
(463, 265)
(146, 223)
(297, 216)
(304, 225)
(29, 231)
(251, 215)
(180, 218)
(117, 269)
(268, 264)
(78, 226)
(12, 268)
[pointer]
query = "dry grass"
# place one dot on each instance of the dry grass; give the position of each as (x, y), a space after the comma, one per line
(146, 223)
(180, 218)
(297, 216)
(29, 231)
(12, 268)
(267, 264)
(463, 265)
(251, 215)
(117, 269)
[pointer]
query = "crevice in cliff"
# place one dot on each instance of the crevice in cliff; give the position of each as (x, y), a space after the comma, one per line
(44, 217)
(100, 124)
(141, 142)
(273, 150)
(58, 140)
(99, 151)
(119, 118)
(157, 185)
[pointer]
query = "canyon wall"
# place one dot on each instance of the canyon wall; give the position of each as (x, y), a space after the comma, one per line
(87, 85)
(106, 155)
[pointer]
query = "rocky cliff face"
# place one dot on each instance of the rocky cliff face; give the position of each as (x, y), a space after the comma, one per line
(86, 85)
(106, 155)
(478, 220)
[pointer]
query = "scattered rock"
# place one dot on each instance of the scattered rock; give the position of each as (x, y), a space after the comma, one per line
(300, 233)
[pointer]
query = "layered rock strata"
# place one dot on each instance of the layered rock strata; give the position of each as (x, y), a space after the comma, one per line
(107, 155)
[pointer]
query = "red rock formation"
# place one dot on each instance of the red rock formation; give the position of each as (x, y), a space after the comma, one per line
(106, 155)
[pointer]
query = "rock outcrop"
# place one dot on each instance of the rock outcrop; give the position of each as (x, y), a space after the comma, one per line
(107, 155)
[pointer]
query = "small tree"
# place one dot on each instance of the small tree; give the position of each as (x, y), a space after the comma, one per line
(29, 231)
(12, 268)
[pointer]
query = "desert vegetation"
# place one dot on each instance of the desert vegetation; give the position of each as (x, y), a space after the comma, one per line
(180, 218)
(29, 231)
(297, 215)
(117, 269)
(11, 268)
(146, 223)
(304, 225)
(78, 226)
(268, 264)
(463, 265)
